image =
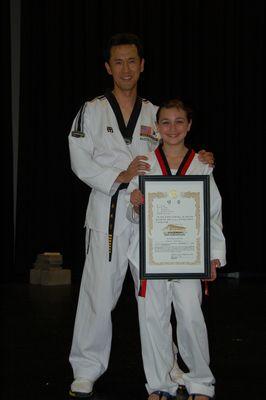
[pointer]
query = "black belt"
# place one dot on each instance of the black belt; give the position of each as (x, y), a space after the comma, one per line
(112, 217)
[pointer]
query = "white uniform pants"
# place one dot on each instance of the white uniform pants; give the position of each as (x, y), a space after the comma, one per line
(100, 289)
(156, 336)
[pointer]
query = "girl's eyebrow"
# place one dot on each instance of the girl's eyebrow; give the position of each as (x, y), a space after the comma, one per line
(176, 119)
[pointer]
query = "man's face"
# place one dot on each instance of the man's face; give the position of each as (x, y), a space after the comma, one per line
(125, 66)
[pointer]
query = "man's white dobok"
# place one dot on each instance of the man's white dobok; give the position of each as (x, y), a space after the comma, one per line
(101, 147)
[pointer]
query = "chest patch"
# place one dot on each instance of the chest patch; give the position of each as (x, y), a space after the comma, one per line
(147, 133)
(109, 129)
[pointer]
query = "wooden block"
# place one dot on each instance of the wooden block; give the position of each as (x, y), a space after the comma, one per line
(35, 276)
(50, 258)
(55, 276)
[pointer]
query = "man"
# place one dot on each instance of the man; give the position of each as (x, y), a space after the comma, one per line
(107, 141)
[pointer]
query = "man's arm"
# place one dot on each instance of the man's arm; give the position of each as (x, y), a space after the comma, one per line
(81, 148)
(137, 167)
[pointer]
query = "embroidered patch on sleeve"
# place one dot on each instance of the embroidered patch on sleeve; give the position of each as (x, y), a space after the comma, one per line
(77, 134)
(146, 133)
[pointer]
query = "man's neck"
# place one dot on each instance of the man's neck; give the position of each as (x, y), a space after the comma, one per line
(125, 98)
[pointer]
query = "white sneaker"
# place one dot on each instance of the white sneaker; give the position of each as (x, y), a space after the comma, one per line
(81, 388)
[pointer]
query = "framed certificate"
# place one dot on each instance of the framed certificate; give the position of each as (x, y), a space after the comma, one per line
(175, 227)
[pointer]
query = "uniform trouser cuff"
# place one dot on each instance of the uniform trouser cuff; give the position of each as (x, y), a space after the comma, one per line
(198, 388)
(83, 373)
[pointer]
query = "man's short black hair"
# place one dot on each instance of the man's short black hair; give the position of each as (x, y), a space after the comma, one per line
(120, 39)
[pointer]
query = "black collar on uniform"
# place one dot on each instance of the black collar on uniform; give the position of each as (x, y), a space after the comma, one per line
(166, 162)
(126, 130)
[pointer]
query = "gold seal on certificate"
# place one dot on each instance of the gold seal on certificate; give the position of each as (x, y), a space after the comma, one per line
(174, 227)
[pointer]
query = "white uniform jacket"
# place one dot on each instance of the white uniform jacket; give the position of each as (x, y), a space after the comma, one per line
(99, 152)
(196, 167)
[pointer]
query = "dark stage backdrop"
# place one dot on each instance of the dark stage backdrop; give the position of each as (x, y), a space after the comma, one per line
(210, 52)
(7, 220)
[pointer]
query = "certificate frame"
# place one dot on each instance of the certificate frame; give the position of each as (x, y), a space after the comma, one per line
(175, 227)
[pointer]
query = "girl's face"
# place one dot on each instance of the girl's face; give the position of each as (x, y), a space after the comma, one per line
(173, 125)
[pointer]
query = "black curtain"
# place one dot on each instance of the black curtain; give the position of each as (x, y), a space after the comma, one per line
(7, 264)
(211, 53)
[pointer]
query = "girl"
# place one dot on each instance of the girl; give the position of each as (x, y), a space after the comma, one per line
(173, 157)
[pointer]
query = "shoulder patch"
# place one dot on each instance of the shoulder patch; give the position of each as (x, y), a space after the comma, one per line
(78, 134)
(78, 127)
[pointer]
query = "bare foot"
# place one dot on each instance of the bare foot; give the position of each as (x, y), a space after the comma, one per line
(155, 396)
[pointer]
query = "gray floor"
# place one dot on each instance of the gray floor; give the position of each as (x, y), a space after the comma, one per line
(37, 323)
